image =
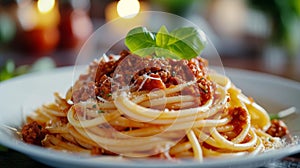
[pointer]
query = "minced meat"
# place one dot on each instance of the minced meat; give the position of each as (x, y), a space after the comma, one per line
(33, 133)
(143, 74)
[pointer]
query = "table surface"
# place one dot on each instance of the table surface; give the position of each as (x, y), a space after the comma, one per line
(284, 67)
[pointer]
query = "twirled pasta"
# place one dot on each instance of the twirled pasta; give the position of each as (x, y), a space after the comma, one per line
(133, 124)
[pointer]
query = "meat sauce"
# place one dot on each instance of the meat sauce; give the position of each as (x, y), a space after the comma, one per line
(278, 129)
(238, 121)
(143, 74)
(33, 133)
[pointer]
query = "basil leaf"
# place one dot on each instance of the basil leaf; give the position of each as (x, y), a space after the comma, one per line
(182, 43)
(186, 42)
(274, 117)
(140, 41)
(162, 37)
(165, 53)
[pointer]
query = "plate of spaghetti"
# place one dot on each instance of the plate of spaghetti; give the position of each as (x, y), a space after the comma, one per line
(157, 103)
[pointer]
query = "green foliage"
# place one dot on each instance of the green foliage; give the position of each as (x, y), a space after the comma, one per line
(9, 70)
(285, 15)
(3, 149)
(7, 28)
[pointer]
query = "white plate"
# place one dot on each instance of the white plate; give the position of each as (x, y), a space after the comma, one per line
(21, 95)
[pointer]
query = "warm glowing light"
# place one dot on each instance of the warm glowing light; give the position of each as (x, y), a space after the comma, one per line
(45, 6)
(128, 8)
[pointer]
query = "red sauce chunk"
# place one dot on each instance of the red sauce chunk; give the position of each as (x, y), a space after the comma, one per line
(277, 129)
(239, 119)
(33, 133)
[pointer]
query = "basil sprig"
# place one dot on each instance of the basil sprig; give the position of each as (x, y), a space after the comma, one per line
(181, 43)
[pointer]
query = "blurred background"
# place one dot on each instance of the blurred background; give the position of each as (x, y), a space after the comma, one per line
(260, 35)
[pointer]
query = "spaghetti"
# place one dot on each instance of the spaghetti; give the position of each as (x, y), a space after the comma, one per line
(152, 107)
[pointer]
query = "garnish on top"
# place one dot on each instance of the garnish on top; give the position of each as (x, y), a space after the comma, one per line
(181, 43)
